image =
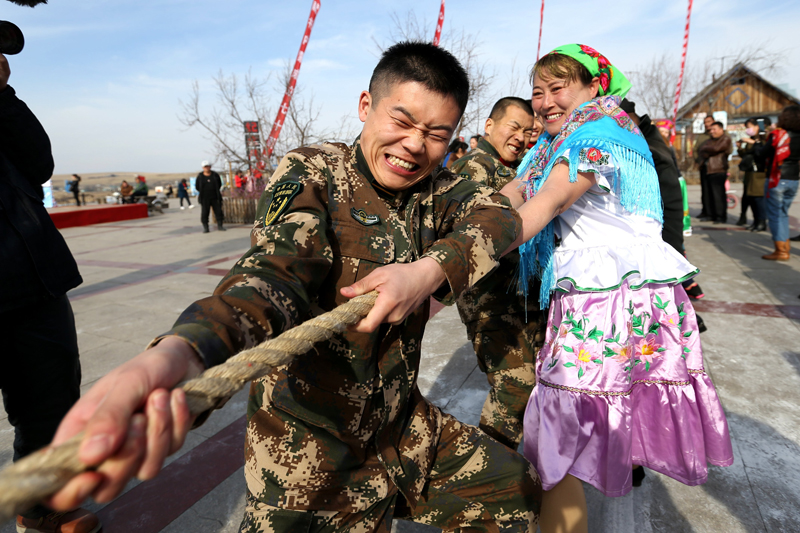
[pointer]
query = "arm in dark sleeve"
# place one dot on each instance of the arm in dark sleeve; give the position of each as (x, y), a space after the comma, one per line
(198, 184)
(670, 188)
(269, 289)
(475, 226)
(23, 139)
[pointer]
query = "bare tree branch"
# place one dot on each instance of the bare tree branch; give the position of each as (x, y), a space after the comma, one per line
(654, 83)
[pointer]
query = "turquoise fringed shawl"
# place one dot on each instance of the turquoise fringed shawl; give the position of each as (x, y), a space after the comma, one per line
(597, 124)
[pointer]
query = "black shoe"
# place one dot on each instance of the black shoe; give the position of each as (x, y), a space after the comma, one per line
(205, 228)
(695, 292)
(760, 225)
(704, 218)
(742, 220)
(701, 326)
(638, 476)
(795, 238)
(220, 228)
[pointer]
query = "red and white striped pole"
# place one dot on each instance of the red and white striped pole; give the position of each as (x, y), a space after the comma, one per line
(287, 97)
(683, 64)
(439, 24)
(541, 23)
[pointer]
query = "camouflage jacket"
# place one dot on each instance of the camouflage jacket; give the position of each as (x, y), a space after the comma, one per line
(483, 164)
(495, 295)
(343, 425)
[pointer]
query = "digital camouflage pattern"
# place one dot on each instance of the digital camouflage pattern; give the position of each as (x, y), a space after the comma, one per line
(343, 428)
(474, 485)
(505, 330)
(483, 165)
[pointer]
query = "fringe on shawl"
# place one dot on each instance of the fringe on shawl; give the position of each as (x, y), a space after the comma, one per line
(635, 183)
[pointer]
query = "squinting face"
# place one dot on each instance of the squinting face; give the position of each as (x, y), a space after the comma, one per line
(406, 133)
(510, 134)
(554, 99)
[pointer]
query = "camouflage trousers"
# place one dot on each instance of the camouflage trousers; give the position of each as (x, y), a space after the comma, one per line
(490, 489)
(506, 347)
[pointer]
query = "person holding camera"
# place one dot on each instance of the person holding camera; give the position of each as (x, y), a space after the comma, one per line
(40, 373)
(751, 150)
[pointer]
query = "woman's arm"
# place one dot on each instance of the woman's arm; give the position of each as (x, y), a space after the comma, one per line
(556, 196)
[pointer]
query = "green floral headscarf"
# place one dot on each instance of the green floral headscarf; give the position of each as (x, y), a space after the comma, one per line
(612, 81)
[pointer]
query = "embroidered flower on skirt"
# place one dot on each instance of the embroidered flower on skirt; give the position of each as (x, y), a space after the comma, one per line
(620, 381)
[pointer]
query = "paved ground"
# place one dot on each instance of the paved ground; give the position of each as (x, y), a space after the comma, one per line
(139, 275)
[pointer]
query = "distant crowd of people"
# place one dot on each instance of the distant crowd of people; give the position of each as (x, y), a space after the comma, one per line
(770, 161)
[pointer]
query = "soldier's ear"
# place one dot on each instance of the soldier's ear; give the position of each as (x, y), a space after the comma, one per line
(488, 126)
(364, 105)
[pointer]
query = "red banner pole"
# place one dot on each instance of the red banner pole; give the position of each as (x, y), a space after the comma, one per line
(287, 97)
(683, 64)
(541, 23)
(439, 24)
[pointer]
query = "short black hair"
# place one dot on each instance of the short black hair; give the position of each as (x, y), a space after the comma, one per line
(435, 68)
(720, 124)
(789, 118)
(499, 107)
(476, 137)
(457, 145)
(752, 121)
(708, 116)
(628, 106)
(767, 121)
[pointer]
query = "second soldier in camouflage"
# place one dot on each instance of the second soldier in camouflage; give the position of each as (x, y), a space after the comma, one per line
(506, 330)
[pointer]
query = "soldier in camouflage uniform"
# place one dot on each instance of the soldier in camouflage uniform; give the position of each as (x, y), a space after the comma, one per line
(505, 330)
(341, 439)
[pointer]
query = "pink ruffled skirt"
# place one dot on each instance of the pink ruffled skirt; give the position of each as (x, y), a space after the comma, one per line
(620, 381)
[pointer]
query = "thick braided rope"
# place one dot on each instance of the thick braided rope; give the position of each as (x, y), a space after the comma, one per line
(37, 476)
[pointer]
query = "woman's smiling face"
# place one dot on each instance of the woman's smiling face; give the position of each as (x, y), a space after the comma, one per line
(554, 99)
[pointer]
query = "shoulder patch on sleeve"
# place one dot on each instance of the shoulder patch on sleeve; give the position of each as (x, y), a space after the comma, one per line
(281, 199)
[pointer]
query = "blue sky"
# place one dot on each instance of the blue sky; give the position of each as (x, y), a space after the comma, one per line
(105, 76)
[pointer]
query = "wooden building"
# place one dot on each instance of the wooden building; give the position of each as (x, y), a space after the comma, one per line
(742, 93)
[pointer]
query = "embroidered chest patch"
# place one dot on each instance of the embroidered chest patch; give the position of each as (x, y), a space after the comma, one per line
(281, 199)
(362, 216)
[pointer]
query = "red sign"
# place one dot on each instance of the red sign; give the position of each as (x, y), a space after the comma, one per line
(439, 24)
(287, 98)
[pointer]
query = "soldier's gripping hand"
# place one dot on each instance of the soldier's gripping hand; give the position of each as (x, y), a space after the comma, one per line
(131, 422)
(402, 287)
(5, 72)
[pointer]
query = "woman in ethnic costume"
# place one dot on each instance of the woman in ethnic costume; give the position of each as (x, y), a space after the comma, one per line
(620, 380)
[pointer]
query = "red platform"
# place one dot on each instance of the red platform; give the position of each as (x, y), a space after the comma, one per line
(87, 215)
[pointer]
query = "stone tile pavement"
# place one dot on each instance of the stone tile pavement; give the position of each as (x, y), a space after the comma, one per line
(139, 275)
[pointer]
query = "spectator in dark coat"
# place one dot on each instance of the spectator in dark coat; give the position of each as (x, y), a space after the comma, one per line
(40, 373)
(670, 188)
(208, 185)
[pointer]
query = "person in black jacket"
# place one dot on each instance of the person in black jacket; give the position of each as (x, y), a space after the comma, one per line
(670, 187)
(208, 185)
(40, 372)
